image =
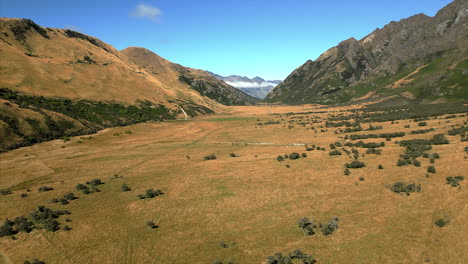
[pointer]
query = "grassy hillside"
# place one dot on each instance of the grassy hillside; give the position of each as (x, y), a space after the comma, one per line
(245, 205)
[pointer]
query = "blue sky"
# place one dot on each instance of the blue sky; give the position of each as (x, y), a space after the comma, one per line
(268, 38)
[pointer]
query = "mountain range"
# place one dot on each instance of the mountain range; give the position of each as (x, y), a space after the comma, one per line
(56, 82)
(256, 87)
(420, 58)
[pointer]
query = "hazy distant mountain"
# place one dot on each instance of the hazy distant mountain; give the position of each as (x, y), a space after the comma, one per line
(256, 87)
(419, 58)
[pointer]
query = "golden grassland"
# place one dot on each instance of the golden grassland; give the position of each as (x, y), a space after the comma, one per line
(252, 201)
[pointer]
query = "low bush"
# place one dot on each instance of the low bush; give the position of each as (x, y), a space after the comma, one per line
(45, 189)
(210, 157)
(125, 188)
(150, 193)
(355, 164)
(297, 256)
(335, 153)
(400, 187)
(454, 181)
(431, 169)
(441, 222)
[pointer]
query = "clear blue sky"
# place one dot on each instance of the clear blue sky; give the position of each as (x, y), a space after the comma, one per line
(268, 38)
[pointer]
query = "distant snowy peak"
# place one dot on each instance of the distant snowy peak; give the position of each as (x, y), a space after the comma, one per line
(257, 86)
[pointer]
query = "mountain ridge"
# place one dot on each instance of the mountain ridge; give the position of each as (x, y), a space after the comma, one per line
(355, 68)
(256, 87)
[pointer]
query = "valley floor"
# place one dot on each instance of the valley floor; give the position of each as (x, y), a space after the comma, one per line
(251, 202)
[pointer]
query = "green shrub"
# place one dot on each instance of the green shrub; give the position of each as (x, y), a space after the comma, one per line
(454, 181)
(355, 164)
(297, 256)
(294, 156)
(400, 187)
(441, 222)
(210, 157)
(125, 188)
(334, 153)
(431, 169)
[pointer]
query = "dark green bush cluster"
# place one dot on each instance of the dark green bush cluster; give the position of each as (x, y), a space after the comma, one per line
(375, 151)
(329, 228)
(352, 129)
(407, 161)
(150, 193)
(220, 262)
(125, 188)
(361, 144)
(210, 157)
(355, 164)
(34, 261)
(97, 112)
(335, 153)
(422, 124)
(341, 124)
(297, 256)
(421, 131)
(45, 189)
(41, 217)
(65, 199)
(442, 222)
(233, 155)
(294, 156)
(371, 127)
(5, 192)
(431, 169)
(86, 189)
(384, 135)
(454, 181)
(308, 227)
(458, 131)
(400, 187)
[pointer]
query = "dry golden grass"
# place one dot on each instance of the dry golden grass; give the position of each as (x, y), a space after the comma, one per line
(252, 200)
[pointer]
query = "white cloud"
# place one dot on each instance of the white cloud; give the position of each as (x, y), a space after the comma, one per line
(251, 84)
(146, 11)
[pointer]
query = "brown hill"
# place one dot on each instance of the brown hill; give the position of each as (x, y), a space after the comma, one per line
(75, 83)
(421, 57)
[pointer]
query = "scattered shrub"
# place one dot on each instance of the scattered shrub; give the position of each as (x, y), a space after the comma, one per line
(34, 261)
(5, 192)
(232, 155)
(441, 222)
(347, 172)
(355, 164)
(331, 227)
(45, 189)
(210, 157)
(380, 167)
(95, 182)
(304, 155)
(150, 193)
(125, 188)
(70, 196)
(280, 158)
(294, 156)
(307, 226)
(431, 169)
(297, 256)
(334, 153)
(66, 228)
(454, 181)
(400, 187)
(24, 195)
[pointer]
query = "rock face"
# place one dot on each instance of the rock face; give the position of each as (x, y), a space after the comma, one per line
(419, 57)
(256, 87)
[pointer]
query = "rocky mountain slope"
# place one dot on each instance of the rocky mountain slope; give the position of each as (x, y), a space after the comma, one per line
(420, 58)
(199, 80)
(56, 82)
(256, 87)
